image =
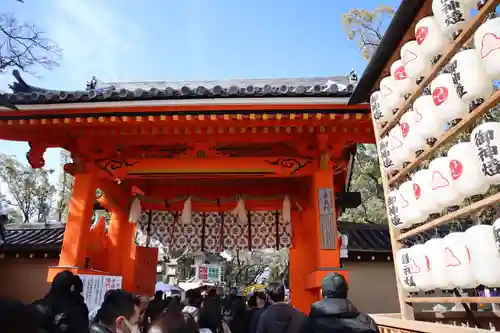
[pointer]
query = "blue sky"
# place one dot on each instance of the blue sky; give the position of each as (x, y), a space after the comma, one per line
(190, 39)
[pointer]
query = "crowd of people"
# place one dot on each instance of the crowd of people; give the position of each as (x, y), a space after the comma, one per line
(63, 310)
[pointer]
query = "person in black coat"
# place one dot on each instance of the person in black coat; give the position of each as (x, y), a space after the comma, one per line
(279, 317)
(63, 309)
(335, 313)
(258, 304)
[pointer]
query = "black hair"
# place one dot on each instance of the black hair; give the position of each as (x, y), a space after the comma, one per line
(276, 291)
(212, 293)
(62, 283)
(252, 301)
(158, 294)
(116, 304)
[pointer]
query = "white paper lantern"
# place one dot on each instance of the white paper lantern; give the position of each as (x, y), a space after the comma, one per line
(424, 193)
(485, 257)
(444, 191)
(404, 83)
(466, 171)
(386, 156)
(496, 233)
(469, 77)
(435, 250)
(486, 141)
(415, 63)
(459, 267)
(428, 123)
(399, 152)
(396, 205)
(380, 111)
(487, 45)
(422, 277)
(406, 270)
(448, 104)
(411, 210)
(451, 15)
(135, 211)
(411, 137)
(390, 93)
(431, 40)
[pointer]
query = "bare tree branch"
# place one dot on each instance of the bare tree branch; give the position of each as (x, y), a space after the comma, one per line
(24, 46)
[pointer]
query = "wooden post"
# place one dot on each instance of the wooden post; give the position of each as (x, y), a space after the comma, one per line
(405, 309)
(74, 246)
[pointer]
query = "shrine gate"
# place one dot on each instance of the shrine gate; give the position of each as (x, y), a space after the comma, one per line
(282, 149)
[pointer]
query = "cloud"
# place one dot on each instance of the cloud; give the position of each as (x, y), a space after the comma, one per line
(95, 36)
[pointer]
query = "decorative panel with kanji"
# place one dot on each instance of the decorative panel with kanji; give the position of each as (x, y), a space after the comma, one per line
(213, 231)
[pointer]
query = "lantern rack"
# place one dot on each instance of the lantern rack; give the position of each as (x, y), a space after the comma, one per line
(446, 56)
(447, 137)
(381, 130)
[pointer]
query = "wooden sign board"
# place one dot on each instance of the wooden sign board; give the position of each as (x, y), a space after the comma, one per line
(326, 219)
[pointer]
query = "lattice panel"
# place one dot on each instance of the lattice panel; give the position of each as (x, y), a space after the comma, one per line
(162, 229)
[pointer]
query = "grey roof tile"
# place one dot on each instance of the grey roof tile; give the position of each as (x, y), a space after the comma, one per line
(333, 86)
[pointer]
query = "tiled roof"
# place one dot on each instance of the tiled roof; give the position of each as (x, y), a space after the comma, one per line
(362, 237)
(34, 237)
(366, 237)
(334, 86)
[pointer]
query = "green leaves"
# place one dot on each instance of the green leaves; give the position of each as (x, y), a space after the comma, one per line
(366, 179)
(30, 189)
(367, 27)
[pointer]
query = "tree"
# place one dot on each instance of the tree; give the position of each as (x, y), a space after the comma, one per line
(245, 267)
(65, 188)
(24, 46)
(367, 27)
(30, 188)
(367, 180)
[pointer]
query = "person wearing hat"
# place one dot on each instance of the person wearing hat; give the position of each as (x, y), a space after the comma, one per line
(335, 313)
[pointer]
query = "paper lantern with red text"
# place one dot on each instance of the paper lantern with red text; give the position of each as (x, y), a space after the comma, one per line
(486, 141)
(430, 39)
(409, 204)
(448, 104)
(459, 267)
(469, 77)
(395, 208)
(399, 152)
(423, 277)
(411, 137)
(485, 257)
(428, 123)
(436, 254)
(466, 171)
(404, 84)
(415, 63)
(379, 110)
(424, 193)
(444, 191)
(386, 156)
(406, 270)
(487, 45)
(390, 93)
(451, 15)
